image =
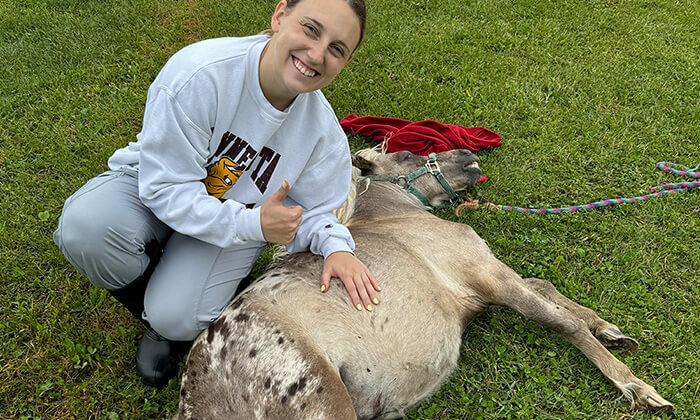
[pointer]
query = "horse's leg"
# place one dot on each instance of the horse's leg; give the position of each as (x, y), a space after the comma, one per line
(607, 333)
(506, 288)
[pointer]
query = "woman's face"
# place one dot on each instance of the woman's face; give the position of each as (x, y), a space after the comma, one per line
(311, 44)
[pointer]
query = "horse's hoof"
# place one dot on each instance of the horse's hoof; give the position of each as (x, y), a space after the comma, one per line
(652, 401)
(613, 339)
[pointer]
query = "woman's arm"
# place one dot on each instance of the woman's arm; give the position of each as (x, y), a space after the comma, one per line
(322, 188)
(174, 151)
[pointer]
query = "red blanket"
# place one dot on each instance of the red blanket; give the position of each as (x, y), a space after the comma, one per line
(421, 137)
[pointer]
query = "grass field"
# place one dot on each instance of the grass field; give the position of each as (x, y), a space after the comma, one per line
(588, 96)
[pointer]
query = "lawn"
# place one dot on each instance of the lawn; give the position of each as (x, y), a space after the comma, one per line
(587, 94)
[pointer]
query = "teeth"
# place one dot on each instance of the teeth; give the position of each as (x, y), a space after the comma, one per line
(473, 165)
(306, 72)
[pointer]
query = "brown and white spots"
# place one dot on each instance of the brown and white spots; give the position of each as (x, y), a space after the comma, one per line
(297, 386)
(236, 303)
(220, 327)
(242, 318)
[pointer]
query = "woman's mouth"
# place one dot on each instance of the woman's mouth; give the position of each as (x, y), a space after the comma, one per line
(302, 68)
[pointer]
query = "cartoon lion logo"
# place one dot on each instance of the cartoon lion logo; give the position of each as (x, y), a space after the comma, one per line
(221, 176)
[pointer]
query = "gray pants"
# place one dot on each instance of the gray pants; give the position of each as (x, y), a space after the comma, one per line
(104, 232)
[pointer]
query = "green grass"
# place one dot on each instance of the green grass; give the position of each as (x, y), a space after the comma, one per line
(587, 95)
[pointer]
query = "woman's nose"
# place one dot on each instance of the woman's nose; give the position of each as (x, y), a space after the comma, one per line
(316, 53)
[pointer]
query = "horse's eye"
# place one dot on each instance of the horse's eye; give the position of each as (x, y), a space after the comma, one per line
(404, 156)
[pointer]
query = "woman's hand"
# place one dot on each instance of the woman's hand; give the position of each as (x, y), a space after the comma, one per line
(358, 281)
(279, 223)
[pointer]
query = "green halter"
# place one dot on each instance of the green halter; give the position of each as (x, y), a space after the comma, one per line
(404, 181)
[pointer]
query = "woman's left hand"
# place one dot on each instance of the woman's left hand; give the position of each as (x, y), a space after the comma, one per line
(358, 281)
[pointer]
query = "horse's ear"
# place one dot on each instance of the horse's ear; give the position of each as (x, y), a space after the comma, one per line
(362, 164)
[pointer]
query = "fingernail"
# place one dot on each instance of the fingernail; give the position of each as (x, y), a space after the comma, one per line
(359, 307)
(376, 301)
(369, 308)
(323, 288)
(285, 184)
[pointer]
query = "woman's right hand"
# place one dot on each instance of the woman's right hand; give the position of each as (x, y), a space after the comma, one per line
(279, 223)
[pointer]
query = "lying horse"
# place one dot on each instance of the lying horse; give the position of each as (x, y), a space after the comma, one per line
(282, 349)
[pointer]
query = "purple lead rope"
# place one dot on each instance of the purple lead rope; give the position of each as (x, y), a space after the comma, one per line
(657, 191)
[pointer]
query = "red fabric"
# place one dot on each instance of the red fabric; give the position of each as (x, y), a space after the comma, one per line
(421, 137)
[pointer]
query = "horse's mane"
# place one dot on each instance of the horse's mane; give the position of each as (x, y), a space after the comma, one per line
(345, 213)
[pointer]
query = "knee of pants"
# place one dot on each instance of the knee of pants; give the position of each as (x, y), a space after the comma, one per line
(109, 258)
(177, 321)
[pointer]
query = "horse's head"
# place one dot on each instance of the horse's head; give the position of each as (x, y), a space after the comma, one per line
(459, 169)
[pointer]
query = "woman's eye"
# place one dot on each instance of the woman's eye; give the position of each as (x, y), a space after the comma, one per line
(338, 51)
(310, 29)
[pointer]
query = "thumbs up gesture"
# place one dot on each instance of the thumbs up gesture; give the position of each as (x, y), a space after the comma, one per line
(279, 223)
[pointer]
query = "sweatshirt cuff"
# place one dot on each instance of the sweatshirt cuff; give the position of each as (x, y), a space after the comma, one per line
(332, 244)
(248, 226)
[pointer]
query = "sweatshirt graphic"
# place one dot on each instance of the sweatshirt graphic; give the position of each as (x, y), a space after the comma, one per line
(221, 176)
(234, 156)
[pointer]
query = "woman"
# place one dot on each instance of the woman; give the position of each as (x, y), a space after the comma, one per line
(186, 210)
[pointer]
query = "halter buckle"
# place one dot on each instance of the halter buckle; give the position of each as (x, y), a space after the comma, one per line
(432, 164)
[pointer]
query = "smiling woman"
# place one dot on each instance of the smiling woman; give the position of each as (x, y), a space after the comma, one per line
(183, 213)
(311, 43)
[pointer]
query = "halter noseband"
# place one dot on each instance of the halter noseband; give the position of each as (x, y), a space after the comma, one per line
(404, 181)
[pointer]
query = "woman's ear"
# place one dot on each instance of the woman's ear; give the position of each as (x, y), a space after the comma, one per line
(280, 11)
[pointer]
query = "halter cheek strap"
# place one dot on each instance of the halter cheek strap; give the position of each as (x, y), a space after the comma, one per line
(405, 181)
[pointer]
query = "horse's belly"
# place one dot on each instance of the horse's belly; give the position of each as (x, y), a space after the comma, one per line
(389, 359)
(392, 370)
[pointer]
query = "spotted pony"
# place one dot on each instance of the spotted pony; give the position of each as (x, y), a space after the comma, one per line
(284, 350)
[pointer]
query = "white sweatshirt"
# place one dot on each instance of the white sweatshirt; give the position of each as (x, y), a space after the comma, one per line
(212, 149)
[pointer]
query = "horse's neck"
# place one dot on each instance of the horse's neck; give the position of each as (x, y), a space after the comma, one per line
(380, 199)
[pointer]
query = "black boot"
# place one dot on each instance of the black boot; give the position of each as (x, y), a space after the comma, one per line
(157, 358)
